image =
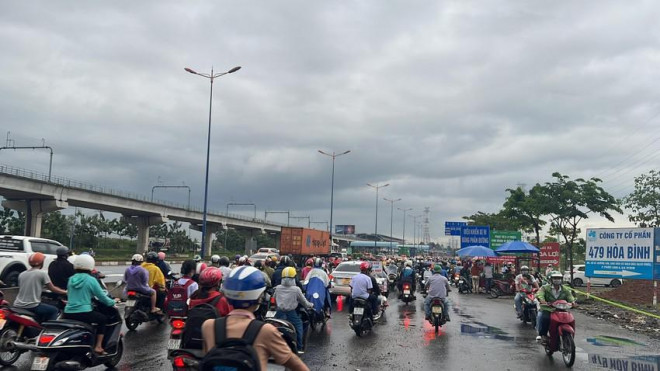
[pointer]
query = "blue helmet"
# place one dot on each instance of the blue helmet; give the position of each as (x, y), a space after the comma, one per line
(244, 287)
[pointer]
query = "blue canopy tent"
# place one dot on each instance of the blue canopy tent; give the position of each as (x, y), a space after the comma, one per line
(475, 251)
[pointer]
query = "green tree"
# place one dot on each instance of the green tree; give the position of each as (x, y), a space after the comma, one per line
(568, 202)
(499, 221)
(56, 226)
(12, 222)
(644, 201)
(526, 209)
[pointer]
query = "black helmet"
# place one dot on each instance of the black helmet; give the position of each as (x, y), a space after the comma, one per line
(62, 251)
(286, 261)
(224, 261)
(152, 257)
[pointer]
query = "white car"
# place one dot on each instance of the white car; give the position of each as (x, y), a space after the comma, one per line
(15, 251)
(579, 278)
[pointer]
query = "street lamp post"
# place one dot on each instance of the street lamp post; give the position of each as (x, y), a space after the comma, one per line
(332, 187)
(211, 77)
(391, 219)
(377, 187)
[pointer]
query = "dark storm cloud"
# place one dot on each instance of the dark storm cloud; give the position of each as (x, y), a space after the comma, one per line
(450, 102)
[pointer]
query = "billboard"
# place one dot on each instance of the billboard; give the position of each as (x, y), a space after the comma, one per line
(454, 228)
(620, 253)
(550, 254)
(498, 238)
(475, 235)
(345, 229)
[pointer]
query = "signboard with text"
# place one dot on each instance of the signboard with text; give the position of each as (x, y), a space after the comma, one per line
(475, 235)
(620, 253)
(454, 228)
(550, 254)
(498, 238)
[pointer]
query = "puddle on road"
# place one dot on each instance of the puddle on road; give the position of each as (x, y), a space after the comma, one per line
(612, 341)
(636, 363)
(484, 331)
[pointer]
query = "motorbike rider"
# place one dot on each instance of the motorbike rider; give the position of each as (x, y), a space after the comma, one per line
(260, 266)
(30, 286)
(224, 266)
(244, 289)
(550, 293)
(362, 287)
(288, 296)
(407, 275)
(162, 265)
(209, 282)
(437, 286)
(156, 277)
(137, 279)
(83, 288)
(60, 269)
(524, 281)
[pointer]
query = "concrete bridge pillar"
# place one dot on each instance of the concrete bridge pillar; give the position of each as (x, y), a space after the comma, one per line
(143, 223)
(211, 229)
(34, 210)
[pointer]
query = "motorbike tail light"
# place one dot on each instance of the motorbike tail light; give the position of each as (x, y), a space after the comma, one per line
(178, 324)
(45, 339)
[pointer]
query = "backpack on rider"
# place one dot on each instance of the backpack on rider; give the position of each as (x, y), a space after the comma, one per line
(192, 332)
(233, 353)
(176, 303)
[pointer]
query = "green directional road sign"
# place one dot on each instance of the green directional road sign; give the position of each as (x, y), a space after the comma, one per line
(497, 238)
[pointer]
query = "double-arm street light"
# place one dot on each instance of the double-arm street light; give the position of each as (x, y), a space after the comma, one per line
(391, 219)
(404, 223)
(377, 187)
(332, 187)
(212, 76)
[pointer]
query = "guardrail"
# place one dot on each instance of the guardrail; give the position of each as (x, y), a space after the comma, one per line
(76, 184)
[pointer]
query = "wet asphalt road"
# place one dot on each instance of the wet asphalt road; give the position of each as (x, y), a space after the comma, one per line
(483, 335)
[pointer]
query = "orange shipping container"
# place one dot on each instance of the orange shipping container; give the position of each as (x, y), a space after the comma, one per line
(304, 241)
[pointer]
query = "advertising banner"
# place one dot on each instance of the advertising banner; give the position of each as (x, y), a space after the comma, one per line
(498, 238)
(626, 253)
(475, 235)
(345, 229)
(550, 254)
(454, 228)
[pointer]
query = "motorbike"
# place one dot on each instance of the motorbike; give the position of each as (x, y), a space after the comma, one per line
(69, 345)
(189, 359)
(18, 332)
(138, 310)
(464, 286)
(529, 307)
(437, 314)
(502, 288)
(407, 295)
(562, 332)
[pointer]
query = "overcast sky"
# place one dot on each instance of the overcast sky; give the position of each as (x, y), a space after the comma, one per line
(450, 102)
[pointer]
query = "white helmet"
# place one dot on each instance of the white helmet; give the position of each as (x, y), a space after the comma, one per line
(137, 258)
(84, 262)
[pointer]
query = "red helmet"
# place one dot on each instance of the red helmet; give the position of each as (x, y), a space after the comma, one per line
(309, 262)
(36, 259)
(364, 266)
(210, 277)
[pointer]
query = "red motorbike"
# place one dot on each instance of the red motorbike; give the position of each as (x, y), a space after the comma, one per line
(562, 332)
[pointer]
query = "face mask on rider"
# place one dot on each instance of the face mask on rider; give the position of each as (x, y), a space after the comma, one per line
(556, 282)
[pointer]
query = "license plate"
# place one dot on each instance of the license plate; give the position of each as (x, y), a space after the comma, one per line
(406, 292)
(130, 303)
(358, 311)
(173, 344)
(2, 323)
(437, 310)
(40, 363)
(270, 314)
